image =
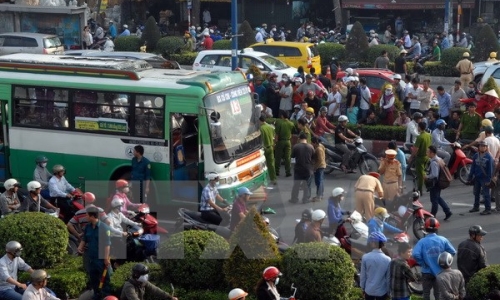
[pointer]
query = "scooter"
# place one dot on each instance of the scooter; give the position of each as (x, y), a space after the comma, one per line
(366, 162)
(149, 223)
(140, 246)
(292, 297)
(459, 164)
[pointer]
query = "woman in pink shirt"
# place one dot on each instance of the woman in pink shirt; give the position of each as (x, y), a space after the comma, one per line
(122, 189)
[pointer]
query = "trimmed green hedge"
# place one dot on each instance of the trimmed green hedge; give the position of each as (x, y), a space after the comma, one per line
(451, 56)
(222, 45)
(168, 45)
(483, 282)
(127, 43)
(375, 51)
(184, 58)
(329, 50)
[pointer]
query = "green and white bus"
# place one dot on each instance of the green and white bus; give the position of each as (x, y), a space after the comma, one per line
(88, 113)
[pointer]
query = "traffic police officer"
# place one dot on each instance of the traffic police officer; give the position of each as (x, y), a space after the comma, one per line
(267, 133)
(283, 149)
(96, 244)
(141, 172)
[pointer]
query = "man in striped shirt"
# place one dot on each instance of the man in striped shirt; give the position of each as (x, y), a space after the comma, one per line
(401, 274)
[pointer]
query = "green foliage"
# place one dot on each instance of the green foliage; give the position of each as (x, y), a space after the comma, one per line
(356, 294)
(184, 58)
(253, 249)
(451, 56)
(247, 35)
(324, 272)
(485, 42)
(357, 43)
(222, 45)
(329, 50)
(382, 132)
(207, 295)
(490, 85)
(151, 34)
(168, 45)
(44, 238)
(122, 274)
(194, 258)
(127, 43)
(254, 71)
(375, 51)
(437, 68)
(483, 282)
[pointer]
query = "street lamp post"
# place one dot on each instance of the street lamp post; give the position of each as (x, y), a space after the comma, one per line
(447, 15)
(234, 33)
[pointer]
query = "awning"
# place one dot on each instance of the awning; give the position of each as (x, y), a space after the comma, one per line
(401, 4)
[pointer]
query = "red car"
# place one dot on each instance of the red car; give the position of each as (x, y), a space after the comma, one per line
(375, 79)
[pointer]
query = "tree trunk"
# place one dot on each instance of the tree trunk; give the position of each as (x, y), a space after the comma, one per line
(195, 13)
(338, 11)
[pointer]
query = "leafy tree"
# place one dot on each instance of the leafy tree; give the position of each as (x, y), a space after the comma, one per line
(357, 43)
(485, 43)
(490, 85)
(247, 35)
(151, 34)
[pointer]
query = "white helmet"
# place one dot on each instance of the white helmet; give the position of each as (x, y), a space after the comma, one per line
(235, 294)
(10, 183)
(33, 185)
(489, 115)
(125, 26)
(297, 79)
(337, 191)
(212, 176)
(349, 71)
(116, 203)
(343, 118)
(318, 215)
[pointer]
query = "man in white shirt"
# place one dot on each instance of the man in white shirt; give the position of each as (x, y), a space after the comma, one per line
(10, 263)
(412, 128)
(60, 191)
(259, 38)
(333, 102)
(457, 93)
(366, 96)
(207, 18)
(425, 97)
(406, 40)
(36, 290)
(493, 143)
(413, 92)
(439, 141)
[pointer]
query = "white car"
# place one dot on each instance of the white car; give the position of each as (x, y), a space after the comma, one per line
(480, 68)
(220, 60)
(491, 71)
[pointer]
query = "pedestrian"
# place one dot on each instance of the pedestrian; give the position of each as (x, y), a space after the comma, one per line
(401, 274)
(432, 182)
(390, 168)
(465, 67)
(96, 244)
(480, 175)
(319, 168)
(426, 253)
(353, 100)
(207, 17)
(267, 134)
(286, 93)
(365, 99)
(450, 282)
(419, 153)
(303, 169)
(313, 231)
(87, 38)
(365, 188)
(37, 289)
(10, 264)
(470, 123)
(425, 96)
(400, 156)
(471, 256)
(375, 274)
(382, 62)
(303, 128)
(239, 211)
(141, 172)
(282, 152)
(457, 93)
(400, 66)
(445, 104)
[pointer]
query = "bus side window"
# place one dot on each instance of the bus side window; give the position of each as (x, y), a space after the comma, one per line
(149, 116)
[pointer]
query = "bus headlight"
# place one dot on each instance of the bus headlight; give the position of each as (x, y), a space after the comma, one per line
(229, 180)
(235, 178)
(222, 181)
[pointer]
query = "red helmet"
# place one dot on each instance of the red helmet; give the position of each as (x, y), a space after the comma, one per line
(121, 183)
(432, 223)
(88, 197)
(271, 273)
(110, 298)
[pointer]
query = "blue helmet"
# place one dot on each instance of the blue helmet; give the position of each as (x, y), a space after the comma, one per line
(377, 237)
(440, 122)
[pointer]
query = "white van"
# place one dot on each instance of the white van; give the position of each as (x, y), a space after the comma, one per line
(220, 60)
(28, 42)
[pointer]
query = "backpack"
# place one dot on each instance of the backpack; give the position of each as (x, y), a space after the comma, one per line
(445, 178)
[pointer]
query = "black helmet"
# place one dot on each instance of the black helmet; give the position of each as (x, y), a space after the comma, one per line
(41, 159)
(417, 115)
(445, 260)
(139, 269)
(307, 214)
(489, 129)
(476, 230)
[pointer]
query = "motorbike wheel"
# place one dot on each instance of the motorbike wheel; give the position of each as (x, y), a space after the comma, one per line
(418, 227)
(463, 173)
(416, 286)
(367, 165)
(328, 169)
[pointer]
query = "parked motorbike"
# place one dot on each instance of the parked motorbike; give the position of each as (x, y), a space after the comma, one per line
(148, 222)
(459, 164)
(366, 162)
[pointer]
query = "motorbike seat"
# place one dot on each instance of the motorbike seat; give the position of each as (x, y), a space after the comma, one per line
(329, 146)
(194, 215)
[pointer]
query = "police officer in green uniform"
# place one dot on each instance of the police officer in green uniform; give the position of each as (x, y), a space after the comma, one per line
(96, 244)
(302, 125)
(283, 149)
(267, 133)
(424, 140)
(141, 172)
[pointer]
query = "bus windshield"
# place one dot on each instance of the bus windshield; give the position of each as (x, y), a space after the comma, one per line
(233, 129)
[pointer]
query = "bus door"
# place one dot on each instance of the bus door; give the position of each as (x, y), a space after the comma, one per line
(4, 141)
(185, 157)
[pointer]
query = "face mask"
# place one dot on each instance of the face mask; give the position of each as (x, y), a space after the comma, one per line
(276, 281)
(43, 165)
(387, 93)
(126, 190)
(217, 183)
(143, 278)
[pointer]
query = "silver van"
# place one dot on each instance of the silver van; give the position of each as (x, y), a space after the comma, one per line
(28, 42)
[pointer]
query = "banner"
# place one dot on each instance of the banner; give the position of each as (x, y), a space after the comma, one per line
(104, 124)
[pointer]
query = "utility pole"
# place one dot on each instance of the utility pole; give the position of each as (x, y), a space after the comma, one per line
(234, 33)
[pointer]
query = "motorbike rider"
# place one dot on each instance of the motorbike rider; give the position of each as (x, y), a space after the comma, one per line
(210, 211)
(122, 190)
(313, 231)
(482, 135)
(37, 289)
(300, 228)
(76, 225)
(35, 202)
(9, 200)
(10, 263)
(439, 141)
(61, 191)
(237, 294)
(138, 286)
(266, 287)
(116, 219)
(335, 213)
(323, 125)
(378, 224)
(240, 211)
(471, 256)
(42, 175)
(341, 133)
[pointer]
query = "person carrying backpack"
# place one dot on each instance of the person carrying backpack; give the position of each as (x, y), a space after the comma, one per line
(432, 182)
